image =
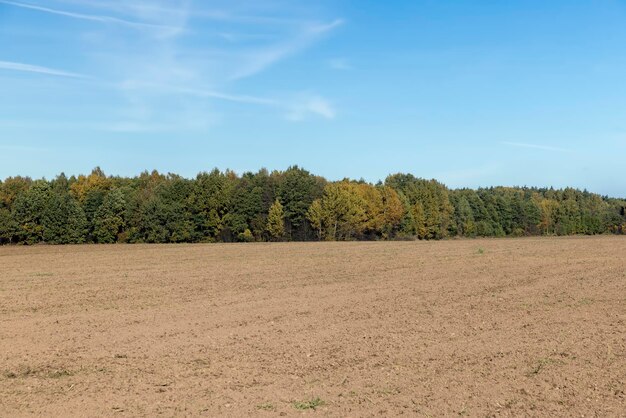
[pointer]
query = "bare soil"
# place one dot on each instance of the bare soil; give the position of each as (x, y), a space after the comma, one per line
(508, 327)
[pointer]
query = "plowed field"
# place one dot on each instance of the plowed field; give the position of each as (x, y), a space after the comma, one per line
(506, 327)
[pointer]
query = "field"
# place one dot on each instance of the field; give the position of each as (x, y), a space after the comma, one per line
(506, 327)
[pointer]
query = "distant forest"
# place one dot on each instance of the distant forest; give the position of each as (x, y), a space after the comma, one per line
(290, 205)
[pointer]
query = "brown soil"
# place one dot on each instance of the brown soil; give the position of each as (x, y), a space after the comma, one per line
(503, 327)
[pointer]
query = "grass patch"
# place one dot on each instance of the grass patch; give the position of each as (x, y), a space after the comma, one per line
(305, 405)
(389, 391)
(267, 406)
(541, 364)
(25, 372)
(21, 373)
(57, 374)
(43, 275)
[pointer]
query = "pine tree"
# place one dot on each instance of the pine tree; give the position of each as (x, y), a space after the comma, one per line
(109, 221)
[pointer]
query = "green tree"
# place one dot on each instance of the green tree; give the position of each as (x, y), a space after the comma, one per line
(568, 219)
(47, 214)
(222, 206)
(430, 203)
(8, 226)
(464, 218)
(109, 219)
(165, 216)
(297, 189)
(210, 201)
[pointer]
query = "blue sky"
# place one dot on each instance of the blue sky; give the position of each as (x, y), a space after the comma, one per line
(473, 93)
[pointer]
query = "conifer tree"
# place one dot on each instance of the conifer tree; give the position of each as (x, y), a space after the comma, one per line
(109, 222)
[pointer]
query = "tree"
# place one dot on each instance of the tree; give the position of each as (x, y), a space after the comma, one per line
(11, 188)
(44, 214)
(464, 218)
(382, 207)
(8, 226)
(341, 212)
(393, 211)
(97, 181)
(430, 202)
(63, 220)
(109, 221)
(568, 219)
(315, 215)
(246, 236)
(209, 203)
(275, 221)
(27, 213)
(249, 205)
(297, 189)
(165, 216)
(292, 205)
(549, 209)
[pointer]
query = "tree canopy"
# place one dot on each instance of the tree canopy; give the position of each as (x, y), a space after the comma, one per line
(290, 205)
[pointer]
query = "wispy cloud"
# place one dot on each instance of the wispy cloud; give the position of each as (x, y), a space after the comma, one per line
(297, 108)
(21, 148)
(197, 92)
(340, 64)
(152, 8)
(315, 105)
(260, 59)
(82, 16)
(176, 68)
(535, 146)
(18, 66)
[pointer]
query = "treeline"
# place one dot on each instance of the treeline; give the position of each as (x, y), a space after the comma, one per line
(290, 205)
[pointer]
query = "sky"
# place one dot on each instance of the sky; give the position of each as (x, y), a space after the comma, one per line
(473, 93)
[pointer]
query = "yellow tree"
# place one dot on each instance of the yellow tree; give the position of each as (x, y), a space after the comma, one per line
(315, 215)
(549, 210)
(393, 210)
(96, 181)
(340, 213)
(383, 209)
(276, 222)
(419, 218)
(11, 188)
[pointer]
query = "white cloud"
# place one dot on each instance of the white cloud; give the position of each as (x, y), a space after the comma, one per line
(315, 105)
(18, 66)
(320, 106)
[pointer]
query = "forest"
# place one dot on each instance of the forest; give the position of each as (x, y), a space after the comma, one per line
(290, 205)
